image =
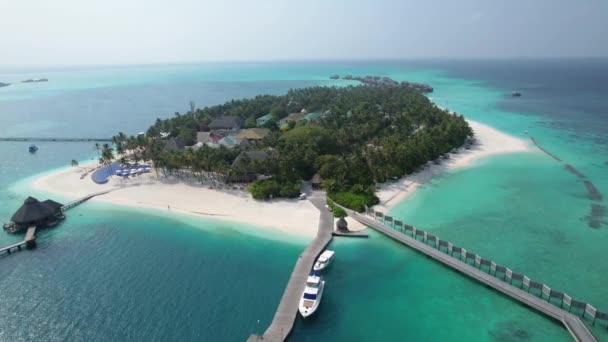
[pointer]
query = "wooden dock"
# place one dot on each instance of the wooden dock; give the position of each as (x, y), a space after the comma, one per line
(28, 242)
(30, 236)
(287, 310)
(350, 234)
(573, 324)
(83, 199)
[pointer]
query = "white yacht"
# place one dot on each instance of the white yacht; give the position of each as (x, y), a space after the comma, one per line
(311, 298)
(324, 260)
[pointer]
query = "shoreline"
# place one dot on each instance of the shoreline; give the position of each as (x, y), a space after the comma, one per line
(489, 142)
(292, 217)
(185, 197)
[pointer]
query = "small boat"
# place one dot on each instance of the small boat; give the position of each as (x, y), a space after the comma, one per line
(526, 132)
(324, 260)
(33, 148)
(311, 298)
(516, 94)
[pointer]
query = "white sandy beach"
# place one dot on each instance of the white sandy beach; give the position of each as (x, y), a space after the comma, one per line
(295, 217)
(490, 142)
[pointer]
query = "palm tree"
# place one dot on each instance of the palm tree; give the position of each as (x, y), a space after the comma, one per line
(107, 157)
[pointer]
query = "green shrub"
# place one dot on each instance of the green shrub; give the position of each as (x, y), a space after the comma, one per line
(355, 201)
(263, 189)
(338, 212)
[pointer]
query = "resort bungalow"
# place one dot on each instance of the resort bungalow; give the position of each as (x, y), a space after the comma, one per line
(261, 121)
(243, 170)
(229, 141)
(227, 122)
(174, 144)
(311, 117)
(35, 213)
(253, 135)
(295, 117)
(203, 137)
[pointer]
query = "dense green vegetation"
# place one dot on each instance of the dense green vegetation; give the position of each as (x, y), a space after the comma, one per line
(366, 135)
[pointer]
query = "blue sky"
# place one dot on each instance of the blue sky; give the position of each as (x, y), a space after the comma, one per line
(152, 31)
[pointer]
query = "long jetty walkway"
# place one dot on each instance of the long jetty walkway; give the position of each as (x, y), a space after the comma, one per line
(83, 199)
(472, 265)
(28, 242)
(287, 310)
(51, 139)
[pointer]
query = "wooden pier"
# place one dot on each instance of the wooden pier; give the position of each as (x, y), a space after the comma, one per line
(28, 242)
(83, 199)
(287, 310)
(350, 234)
(30, 236)
(573, 324)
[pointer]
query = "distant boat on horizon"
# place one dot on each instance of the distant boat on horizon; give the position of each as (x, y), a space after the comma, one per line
(516, 94)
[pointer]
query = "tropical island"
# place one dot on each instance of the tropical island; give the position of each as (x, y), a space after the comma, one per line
(344, 140)
(245, 161)
(35, 81)
(25, 81)
(384, 81)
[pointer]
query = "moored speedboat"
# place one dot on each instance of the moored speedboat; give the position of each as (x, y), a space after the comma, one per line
(311, 298)
(33, 148)
(324, 260)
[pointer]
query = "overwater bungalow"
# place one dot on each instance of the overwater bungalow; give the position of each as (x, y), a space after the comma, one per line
(35, 213)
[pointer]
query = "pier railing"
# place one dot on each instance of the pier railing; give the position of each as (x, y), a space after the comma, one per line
(503, 273)
(82, 199)
(28, 242)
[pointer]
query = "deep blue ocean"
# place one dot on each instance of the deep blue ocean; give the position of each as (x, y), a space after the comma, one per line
(117, 274)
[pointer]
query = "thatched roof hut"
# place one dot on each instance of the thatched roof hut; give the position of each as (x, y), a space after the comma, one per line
(33, 211)
(174, 144)
(342, 225)
(54, 205)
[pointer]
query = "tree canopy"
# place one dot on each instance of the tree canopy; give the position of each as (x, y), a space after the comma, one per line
(365, 135)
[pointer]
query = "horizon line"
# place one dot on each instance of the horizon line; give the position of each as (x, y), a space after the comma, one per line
(312, 60)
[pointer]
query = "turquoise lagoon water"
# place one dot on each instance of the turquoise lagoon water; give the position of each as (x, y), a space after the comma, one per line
(111, 273)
